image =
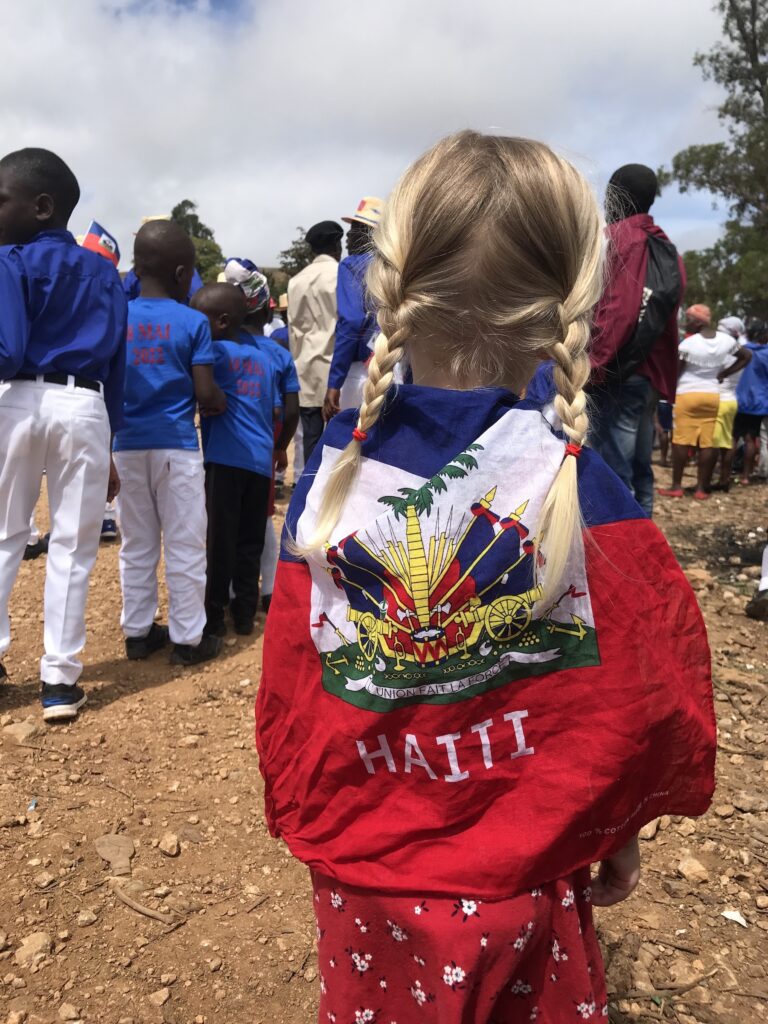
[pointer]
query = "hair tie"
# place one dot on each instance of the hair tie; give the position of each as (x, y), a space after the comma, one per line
(359, 435)
(573, 449)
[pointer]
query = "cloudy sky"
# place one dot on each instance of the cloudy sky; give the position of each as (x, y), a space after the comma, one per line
(275, 113)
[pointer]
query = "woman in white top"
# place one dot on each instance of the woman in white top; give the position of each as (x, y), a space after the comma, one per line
(707, 357)
(726, 411)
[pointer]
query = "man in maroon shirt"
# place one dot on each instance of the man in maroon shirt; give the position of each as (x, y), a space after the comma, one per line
(623, 409)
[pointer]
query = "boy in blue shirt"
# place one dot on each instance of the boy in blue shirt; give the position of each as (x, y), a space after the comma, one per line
(62, 358)
(169, 370)
(238, 450)
(256, 291)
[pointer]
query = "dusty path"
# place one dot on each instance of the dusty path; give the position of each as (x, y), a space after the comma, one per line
(165, 756)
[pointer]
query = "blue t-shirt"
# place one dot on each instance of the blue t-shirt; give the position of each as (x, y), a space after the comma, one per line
(165, 339)
(242, 436)
(281, 336)
(286, 378)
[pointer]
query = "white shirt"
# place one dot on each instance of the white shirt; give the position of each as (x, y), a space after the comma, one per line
(312, 315)
(729, 385)
(704, 358)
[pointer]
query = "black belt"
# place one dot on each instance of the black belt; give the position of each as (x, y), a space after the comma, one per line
(61, 378)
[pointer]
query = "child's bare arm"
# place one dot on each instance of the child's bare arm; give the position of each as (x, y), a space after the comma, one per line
(210, 397)
(617, 876)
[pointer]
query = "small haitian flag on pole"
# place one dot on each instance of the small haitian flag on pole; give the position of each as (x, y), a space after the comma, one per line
(98, 240)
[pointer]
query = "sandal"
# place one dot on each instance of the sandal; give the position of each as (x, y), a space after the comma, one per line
(701, 495)
(668, 492)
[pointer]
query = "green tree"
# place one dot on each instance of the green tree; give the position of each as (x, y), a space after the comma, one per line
(732, 274)
(208, 255)
(297, 256)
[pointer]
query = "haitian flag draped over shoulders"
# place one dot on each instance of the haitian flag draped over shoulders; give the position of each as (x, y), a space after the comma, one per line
(425, 721)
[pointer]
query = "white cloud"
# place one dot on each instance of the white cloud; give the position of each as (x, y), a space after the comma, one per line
(273, 113)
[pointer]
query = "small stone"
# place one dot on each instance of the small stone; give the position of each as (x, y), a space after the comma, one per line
(761, 902)
(649, 831)
(169, 845)
(86, 918)
(310, 974)
(687, 828)
(141, 941)
(33, 947)
(17, 1017)
(692, 870)
(161, 997)
(749, 802)
(68, 1012)
(215, 964)
(117, 850)
(167, 979)
(724, 810)
(44, 880)
(23, 732)
(189, 741)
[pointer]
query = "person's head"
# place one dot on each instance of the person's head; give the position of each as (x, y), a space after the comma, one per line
(324, 239)
(38, 192)
(697, 317)
(732, 325)
(246, 276)
(164, 258)
(224, 305)
(488, 259)
(282, 306)
(362, 224)
(632, 189)
(757, 331)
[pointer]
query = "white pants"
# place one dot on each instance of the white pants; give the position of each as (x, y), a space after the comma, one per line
(63, 431)
(352, 389)
(269, 557)
(298, 453)
(162, 495)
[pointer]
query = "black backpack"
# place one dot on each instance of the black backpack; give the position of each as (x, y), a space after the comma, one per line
(661, 295)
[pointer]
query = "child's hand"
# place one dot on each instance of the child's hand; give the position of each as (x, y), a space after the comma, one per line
(617, 876)
(113, 487)
(280, 460)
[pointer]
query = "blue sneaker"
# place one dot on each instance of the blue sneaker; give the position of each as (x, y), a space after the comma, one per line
(61, 702)
(109, 529)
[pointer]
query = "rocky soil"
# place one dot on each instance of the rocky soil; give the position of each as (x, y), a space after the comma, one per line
(191, 914)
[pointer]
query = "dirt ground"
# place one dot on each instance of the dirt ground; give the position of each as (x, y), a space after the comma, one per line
(165, 757)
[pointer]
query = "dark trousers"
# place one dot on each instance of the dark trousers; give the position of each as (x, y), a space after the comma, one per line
(621, 430)
(312, 425)
(237, 502)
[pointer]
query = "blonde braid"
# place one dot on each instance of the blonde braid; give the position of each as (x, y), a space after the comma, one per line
(560, 521)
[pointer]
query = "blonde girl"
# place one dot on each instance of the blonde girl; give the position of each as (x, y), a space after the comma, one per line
(483, 668)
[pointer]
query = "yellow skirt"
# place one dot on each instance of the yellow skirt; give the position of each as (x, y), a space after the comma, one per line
(726, 414)
(695, 415)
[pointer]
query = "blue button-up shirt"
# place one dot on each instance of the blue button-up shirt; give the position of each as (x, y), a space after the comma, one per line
(75, 311)
(356, 322)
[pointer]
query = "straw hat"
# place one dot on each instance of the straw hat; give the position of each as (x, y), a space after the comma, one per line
(368, 212)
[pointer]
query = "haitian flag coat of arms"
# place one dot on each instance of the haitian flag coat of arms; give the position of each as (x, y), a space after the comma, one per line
(424, 714)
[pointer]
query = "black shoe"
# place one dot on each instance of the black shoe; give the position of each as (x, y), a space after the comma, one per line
(186, 654)
(266, 601)
(32, 551)
(61, 702)
(757, 608)
(138, 647)
(279, 492)
(215, 629)
(243, 627)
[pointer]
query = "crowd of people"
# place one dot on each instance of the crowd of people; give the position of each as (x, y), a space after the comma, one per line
(470, 392)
